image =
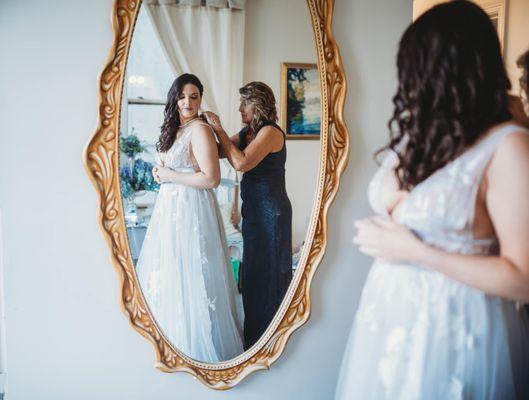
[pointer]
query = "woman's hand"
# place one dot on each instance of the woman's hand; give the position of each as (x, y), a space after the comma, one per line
(213, 119)
(517, 110)
(387, 240)
(161, 174)
(155, 174)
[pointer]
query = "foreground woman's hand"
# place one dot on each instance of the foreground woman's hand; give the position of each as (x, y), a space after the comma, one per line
(387, 240)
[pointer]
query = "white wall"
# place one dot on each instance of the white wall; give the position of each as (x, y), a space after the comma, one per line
(66, 336)
(278, 31)
(516, 38)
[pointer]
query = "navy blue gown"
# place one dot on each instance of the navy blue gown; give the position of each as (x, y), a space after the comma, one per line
(267, 236)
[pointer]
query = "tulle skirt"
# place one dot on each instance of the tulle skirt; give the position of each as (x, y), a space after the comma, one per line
(420, 335)
(186, 276)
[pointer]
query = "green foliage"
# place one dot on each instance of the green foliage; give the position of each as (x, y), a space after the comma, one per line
(137, 176)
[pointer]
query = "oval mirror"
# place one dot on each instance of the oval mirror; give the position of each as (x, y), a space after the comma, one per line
(216, 171)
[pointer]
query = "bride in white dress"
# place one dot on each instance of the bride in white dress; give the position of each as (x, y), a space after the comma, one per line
(440, 314)
(184, 268)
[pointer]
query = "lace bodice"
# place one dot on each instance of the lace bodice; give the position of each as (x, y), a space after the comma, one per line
(440, 210)
(179, 157)
(419, 334)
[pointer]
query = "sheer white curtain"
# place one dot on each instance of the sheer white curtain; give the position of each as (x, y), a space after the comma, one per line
(205, 38)
(234, 4)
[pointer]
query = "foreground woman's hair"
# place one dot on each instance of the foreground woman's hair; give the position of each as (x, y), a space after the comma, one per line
(452, 88)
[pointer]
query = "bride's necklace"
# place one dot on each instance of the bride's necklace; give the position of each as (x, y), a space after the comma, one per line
(188, 122)
(180, 130)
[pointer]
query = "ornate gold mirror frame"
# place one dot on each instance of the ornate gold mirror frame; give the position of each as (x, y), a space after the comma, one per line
(102, 162)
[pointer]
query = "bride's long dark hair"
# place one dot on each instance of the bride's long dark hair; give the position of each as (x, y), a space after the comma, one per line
(171, 121)
(452, 87)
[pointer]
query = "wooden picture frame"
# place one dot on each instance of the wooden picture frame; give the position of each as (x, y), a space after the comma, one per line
(496, 10)
(301, 79)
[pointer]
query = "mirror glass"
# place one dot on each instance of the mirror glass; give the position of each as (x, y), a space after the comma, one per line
(217, 208)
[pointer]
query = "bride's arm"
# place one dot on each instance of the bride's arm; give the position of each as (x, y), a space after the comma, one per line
(206, 155)
(507, 197)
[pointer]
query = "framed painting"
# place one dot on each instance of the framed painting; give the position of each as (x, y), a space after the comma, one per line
(300, 101)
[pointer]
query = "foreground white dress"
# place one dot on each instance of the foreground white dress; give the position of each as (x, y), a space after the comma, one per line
(184, 268)
(420, 335)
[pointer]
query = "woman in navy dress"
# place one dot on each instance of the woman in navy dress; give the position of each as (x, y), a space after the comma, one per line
(259, 151)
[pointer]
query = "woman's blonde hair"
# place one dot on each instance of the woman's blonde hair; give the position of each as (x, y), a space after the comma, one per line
(263, 100)
(523, 63)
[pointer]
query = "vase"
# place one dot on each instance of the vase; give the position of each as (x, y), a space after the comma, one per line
(131, 163)
(130, 205)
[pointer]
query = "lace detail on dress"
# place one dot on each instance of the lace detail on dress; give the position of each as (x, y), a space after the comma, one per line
(440, 209)
(184, 268)
(179, 155)
(421, 335)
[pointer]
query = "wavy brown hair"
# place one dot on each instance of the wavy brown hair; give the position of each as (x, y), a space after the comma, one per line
(264, 102)
(171, 121)
(452, 87)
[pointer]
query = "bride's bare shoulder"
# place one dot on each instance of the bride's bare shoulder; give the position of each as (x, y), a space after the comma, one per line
(514, 147)
(202, 133)
(199, 125)
(511, 157)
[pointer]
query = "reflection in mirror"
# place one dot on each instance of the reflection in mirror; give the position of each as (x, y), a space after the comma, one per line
(217, 200)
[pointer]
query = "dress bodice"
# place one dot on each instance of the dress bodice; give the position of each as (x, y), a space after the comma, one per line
(441, 209)
(179, 157)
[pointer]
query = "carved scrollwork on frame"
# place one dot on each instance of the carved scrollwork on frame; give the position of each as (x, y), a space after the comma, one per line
(102, 162)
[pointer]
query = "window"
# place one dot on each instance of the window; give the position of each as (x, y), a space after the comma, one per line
(148, 79)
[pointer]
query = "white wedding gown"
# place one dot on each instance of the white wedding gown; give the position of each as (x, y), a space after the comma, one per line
(184, 268)
(420, 335)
